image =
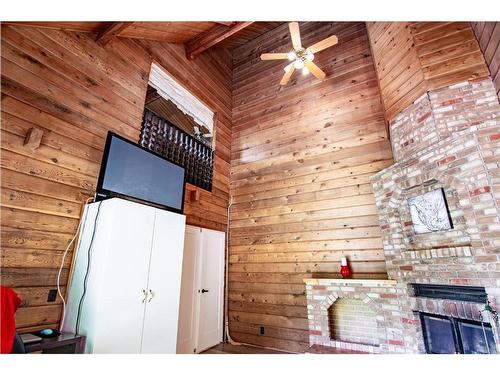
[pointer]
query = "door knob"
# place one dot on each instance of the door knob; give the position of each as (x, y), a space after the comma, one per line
(204, 290)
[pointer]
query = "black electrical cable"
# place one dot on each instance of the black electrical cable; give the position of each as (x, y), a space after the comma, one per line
(87, 272)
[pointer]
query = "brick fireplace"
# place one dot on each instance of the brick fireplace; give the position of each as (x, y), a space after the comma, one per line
(380, 297)
(447, 140)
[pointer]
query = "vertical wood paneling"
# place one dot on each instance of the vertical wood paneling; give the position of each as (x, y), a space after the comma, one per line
(414, 57)
(301, 158)
(488, 35)
(75, 91)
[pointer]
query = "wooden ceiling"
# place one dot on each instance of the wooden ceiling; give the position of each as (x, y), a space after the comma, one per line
(198, 36)
(249, 33)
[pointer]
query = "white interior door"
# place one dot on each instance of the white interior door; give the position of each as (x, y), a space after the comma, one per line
(187, 336)
(211, 289)
(164, 284)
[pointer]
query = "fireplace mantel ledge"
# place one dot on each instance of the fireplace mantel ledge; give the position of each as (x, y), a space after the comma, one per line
(367, 282)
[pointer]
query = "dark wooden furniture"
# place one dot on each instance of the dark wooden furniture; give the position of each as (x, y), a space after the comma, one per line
(66, 343)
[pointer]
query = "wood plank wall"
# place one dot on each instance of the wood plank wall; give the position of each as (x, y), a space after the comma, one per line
(414, 57)
(398, 68)
(75, 91)
(488, 35)
(301, 158)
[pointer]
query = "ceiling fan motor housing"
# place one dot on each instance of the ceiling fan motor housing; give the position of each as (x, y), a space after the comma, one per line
(301, 56)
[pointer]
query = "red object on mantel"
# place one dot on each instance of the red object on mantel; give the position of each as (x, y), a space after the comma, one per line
(345, 271)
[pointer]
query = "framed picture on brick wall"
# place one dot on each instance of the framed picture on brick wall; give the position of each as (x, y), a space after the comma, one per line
(429, 212)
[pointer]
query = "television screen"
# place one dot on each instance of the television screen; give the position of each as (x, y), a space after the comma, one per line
(129, 170)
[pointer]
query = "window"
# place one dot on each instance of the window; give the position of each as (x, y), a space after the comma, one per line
(176, 145)
(179, 127)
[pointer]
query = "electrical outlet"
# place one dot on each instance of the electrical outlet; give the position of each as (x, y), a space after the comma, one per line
(52, 295)
(262, 331)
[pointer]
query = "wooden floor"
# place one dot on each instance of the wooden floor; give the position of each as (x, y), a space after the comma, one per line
(319, 349)
(225, 348)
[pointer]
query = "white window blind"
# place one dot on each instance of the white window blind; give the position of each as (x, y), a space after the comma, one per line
(171, 90)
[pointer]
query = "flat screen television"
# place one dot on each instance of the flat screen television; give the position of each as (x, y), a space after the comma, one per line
(132, 172)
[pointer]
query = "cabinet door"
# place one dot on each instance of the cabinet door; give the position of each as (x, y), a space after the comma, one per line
(164, 284)
(119, 276)
(186, 336)
(211, 316)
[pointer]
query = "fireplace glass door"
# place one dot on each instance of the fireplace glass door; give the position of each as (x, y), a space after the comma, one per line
(439, 334)
(473, 338)
(446, 335)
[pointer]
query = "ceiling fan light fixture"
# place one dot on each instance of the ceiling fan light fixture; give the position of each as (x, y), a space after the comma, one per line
(298, 64)
(305, 70)
(291, 55)
(309, 55)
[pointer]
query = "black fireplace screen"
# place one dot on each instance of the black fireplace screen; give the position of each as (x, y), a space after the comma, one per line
(446, 335)
(167, 140)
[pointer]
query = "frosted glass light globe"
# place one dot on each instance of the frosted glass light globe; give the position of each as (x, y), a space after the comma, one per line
(298, 64)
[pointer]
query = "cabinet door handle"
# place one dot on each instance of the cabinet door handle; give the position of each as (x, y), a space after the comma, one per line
(145, 295)
(204, 290)
(151, 295)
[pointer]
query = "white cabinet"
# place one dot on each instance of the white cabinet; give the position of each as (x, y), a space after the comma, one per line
(164, 285)
(201, 316)
(128, 269)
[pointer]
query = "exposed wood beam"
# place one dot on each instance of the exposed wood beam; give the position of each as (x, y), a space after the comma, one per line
(112, 31)
(225, 23)
(213, 36)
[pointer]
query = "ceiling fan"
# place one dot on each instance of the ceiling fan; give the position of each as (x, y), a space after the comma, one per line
(198, 134)
(300, 57)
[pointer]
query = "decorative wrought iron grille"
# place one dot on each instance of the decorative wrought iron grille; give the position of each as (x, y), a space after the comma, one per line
(167, 140)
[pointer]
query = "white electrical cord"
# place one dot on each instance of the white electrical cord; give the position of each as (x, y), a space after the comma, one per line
(62, 266)
(226, 312)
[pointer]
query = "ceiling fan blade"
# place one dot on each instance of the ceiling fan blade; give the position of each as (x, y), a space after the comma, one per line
(313, 68)
(295, 34)
(323, 44)
(289, 69)
(274, 56)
